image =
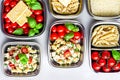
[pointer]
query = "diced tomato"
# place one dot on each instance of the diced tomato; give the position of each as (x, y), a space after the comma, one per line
(24, 50)
(11, 52)
(30, 60)
(17, 57)
(67, 53)
(12, 65)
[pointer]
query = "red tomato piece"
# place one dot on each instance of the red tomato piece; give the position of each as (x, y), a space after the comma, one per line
(60, 28)
(67, 53)
(106, 68)
(6, 2)
(39, 18)
(7, 25)
(66, 30)
(77, 35)
(102, 62)
(12, 4)
(30, 60)
(111, 62)
(7, 20)
(61, 34)
(38, 12)
(96, 66)
(24, 50)
(12, 65)
(10, 30)
(7, 9)
(25, 26)
(95, 55)
(54, 29)
(14, 25)
(106, 55)
(17, 57)
(26, 31)
(4, 15)
(53, 36)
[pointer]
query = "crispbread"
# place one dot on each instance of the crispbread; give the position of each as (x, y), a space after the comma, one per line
(23, 18)
(16, 12)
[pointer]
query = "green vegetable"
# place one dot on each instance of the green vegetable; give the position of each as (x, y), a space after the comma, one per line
(32, 22)
(36, 6)
(36, 30)
(75, 29)
(70, 26)
(33, 1)
(31, 33)
(116, 54)
(68, 36)
(39, 26)
(18, 31)
(23, 58)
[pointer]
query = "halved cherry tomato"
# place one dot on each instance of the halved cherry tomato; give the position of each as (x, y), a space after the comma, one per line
(54, 29)
(7, 20)
(7, 25)
(6, 2)
(11, 65)
(24, 50)
(4, 15)
(37, 12)
(60, 28)
(17, 57)
(7, 8)
(30, 60)
(13, 3)
(25, 26)
(39, 18)
(53, 36)
(61, 34)
(67, 53)
(26, 31)
(14, 25)
(33, 16)
(77, 35)
(10, 30)
(66, 30)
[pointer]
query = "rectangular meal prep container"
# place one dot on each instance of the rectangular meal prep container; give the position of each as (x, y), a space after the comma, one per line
(93, 48)
(23, 37)
(98, 17)
(62, 16)
(7, 72)
(52, 62)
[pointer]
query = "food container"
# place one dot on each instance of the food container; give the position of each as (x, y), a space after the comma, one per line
(72, 65)
(97, 54)
(23, 37)
(99, 17)
(65, 16)
(29, 74)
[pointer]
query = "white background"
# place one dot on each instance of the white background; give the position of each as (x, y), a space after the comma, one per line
(48, 72)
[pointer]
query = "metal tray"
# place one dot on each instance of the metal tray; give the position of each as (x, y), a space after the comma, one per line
(52, 62)
(7, 72)
(62, 16)
(23, 37)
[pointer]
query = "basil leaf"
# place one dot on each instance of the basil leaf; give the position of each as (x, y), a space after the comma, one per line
(70, 26)
(36, 30)
(75, 29)
(32, 22)
(36, 6)
(116, 54)
(23, 58)
(33, 1)
(39, 26)
(18, 31)
(68, 36)
(31, 33)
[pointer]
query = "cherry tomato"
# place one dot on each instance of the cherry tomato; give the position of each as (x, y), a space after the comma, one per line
(17, 57)
(10, 30)
(61, 34)
(95, 55)
(4, 15)
(14, 25)
(116, 67)
(106, 68)
(7, 25)
(7, 20)
(105, 54)
(11, 65)
(26, 31)
(25, 26)
(96, 66)
(12, 4)
(7, 9)
(39, 18)
(111, 62)
(33, 16)
(37, 12)
(6, 2)
(67, 53)
(53, 36)
(60, 28)
(30, 60)
(66, 30)
(77, 35)
(102, 62)
(24, 50)
(54, 29)
(11, 52)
